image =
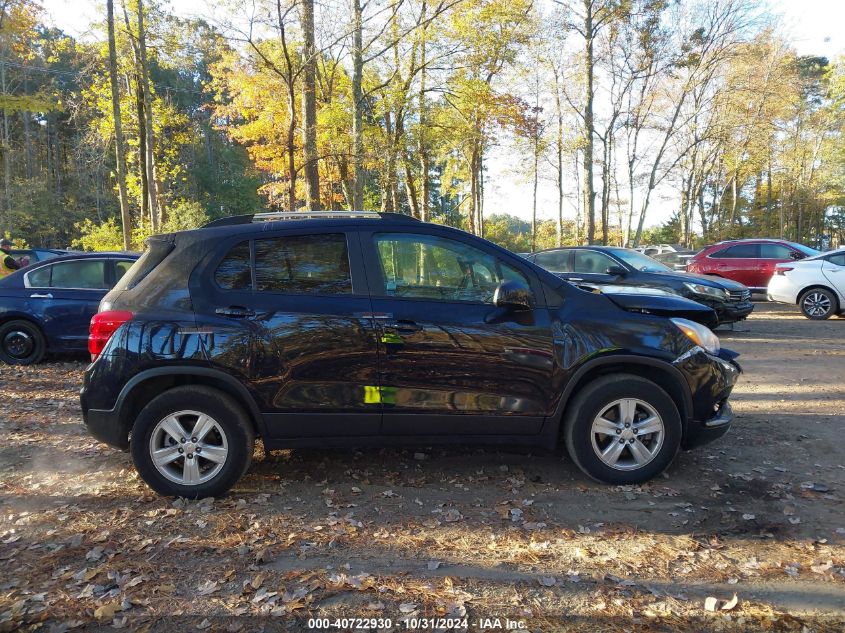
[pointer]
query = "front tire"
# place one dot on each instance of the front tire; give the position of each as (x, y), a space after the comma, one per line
(622, 429)
(192, 442)
(818, 304)
(21, 343)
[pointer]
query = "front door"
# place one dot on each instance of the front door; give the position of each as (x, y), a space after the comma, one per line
(590, 267)
(834, 270)
(450, 361)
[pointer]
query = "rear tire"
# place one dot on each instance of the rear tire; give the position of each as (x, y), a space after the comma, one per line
(192, 442)
(818, 304)
(21, 343)
(622, 429)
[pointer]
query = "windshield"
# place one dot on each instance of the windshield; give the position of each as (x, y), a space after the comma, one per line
(639, 261)
(809, 252)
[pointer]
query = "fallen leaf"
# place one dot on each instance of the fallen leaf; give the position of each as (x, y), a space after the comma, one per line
(710, 603)
(730, 604)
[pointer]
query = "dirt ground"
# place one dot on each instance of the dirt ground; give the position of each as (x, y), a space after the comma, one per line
(403, 537)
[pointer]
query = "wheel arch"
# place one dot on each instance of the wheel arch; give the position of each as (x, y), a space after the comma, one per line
(146, 385)
(660, 372)
(807, 289)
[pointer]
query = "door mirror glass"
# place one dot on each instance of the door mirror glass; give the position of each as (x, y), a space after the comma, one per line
(514, 295)
(616, 271)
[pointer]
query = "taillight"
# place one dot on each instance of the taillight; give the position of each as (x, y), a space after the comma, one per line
(103, 325)
(782, 270)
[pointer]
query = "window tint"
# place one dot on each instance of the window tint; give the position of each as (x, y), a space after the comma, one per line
(84, 273)
(314, 264)
(592, 262)
(121, 266)
(775, 251)
(740, 251)
(429, 267)
(39, 278)
(555, 261)
(838, 260)
(234, 272)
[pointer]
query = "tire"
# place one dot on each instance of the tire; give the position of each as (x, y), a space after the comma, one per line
(227, 434)
(818, 304)
(21, 343)
(607, 396)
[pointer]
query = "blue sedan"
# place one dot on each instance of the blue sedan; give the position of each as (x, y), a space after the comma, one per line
(46, 307)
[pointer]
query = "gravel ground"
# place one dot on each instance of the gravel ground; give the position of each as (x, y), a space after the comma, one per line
(468, 534)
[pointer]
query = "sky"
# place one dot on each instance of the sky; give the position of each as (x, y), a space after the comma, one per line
(814, 26)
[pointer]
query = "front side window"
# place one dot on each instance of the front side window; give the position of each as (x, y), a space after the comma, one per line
(303, 264)
(121, 266)
(587, 262)
(740, 251)
(837, 260)
(430, 267)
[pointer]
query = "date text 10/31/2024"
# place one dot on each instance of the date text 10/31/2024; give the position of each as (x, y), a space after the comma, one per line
(419, 624)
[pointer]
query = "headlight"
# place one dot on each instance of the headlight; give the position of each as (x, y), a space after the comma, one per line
(707, 291)
(699, 334)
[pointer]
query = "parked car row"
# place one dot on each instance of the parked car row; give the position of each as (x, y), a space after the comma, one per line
(605, 267)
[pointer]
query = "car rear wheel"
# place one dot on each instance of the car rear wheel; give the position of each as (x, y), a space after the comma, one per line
(622, 429)
(818, 304)
(192, 442)
(21, 343)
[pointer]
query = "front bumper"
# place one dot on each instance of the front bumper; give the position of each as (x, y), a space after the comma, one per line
(711, 380)
(731, 312)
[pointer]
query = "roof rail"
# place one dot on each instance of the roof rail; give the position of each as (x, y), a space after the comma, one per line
(308, 215)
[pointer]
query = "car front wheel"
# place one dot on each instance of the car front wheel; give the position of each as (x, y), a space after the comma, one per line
(818, 304)
(622, 429)
(192, 442)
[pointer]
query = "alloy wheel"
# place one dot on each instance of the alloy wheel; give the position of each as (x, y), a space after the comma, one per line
(627, 434)
(188, 447)
(816, 304)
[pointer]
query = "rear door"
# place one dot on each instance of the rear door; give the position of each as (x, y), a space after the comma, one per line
(289, 315)
(450, 361)
(833, 269)
(590, 267)
(772, 254)
(64, 296)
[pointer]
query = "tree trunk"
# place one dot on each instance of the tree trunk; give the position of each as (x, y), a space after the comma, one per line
(425, 166)
(154, 188)
(589, 193)
(126, 221)
(309, 109)
(7, 148)
(357, 107)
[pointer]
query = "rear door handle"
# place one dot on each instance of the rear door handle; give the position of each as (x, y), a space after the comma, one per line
(38, 295)
(404, 325)
(235, 312)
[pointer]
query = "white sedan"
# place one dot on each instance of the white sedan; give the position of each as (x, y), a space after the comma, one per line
(815, 284)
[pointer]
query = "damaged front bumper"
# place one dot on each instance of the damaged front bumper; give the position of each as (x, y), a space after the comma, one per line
(711, 379)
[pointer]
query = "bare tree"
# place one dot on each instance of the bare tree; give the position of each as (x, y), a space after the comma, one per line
(126, 221)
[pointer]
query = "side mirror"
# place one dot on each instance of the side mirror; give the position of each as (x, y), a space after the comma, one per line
(796, 255)
(616, 271)
(513, 295)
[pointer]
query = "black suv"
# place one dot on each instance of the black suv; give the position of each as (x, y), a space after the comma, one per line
(351, 329)
(602, 266)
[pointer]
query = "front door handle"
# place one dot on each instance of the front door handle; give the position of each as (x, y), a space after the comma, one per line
(235, 312)
(404, 325)
(575, 279)
(38, 295)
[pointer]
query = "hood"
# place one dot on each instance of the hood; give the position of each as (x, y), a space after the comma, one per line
(705, 280)
(665, 306)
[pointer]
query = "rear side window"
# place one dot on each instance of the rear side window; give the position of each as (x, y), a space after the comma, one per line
(775, 251)
(555, 261)
(84, 273)
(740, 251)
(303, 264)
(234, 272)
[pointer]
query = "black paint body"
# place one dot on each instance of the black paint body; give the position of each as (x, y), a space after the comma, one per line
(370, 368)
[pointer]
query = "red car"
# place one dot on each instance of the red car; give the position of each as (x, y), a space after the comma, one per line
(750, 262)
